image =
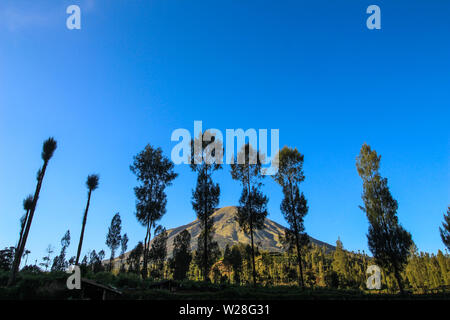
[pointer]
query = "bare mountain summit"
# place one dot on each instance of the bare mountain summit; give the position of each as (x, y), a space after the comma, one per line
(227, 231)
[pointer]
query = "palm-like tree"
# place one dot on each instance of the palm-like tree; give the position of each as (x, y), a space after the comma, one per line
(25, 254)
(92, 184)
(27, 205)
(48, 149)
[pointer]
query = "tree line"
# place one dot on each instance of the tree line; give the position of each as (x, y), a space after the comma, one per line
(391, 245)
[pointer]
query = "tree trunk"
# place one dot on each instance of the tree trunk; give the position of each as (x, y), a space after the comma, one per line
(253, 255)
(19, 253)
(22, 229)
(146, 249)
(299, 260)
(399, 280)
(80, 243)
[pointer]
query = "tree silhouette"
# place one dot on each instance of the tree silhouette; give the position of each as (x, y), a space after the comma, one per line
(181, 255)
(387, 240)
(92, 184)
(445, 230)
(155, 172)
(59, 262)
(134, 258)
(206, 155)
(293, 206)
(158, 252)
(46, 259)
(48, 149)
(252, 209)
(113, 238)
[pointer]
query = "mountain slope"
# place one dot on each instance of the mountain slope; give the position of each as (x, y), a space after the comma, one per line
(227, 231)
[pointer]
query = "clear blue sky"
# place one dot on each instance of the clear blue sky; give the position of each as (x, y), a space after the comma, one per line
(137, 70)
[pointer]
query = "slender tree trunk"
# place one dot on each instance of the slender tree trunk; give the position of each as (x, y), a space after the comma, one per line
(22, 229)
(299, 257)
(253, 255)
(111, 261)
(205, 255)
(399, 280)
(80, 243)
(146, 249)
(19, 253)
(299, 260)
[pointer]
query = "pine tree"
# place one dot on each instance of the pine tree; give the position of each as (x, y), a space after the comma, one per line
(252, 210)
(155, 172)
(236, 263)
(158, 252)
(113, 238)
(205, 159)
(445, 230)
(293, 206)
(340, 263)
(388, 241)
(182, 256)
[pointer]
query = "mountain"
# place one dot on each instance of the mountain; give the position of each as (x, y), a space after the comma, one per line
(227, 231)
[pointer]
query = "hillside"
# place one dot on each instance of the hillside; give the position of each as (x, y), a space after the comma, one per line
(227, 231)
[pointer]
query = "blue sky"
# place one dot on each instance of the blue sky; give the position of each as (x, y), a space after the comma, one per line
(137, 70)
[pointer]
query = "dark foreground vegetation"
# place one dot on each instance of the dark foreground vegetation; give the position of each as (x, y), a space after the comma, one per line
(52, 286)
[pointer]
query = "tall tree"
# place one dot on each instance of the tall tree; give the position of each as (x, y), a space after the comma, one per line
(340, 263)
(158, 252)
(252, 210)
(236, 263)
(206, 155)
(59, 262)
(92, 184)
(445, 230)
(388, 241)
(48, 149)
(181, 255)
(212, 256)
(113, 237)
(134, 258)
(293, 206)
(155, 172)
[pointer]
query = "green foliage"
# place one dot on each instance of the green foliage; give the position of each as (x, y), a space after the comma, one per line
(445, 230)
(7, 258)
(182, 256)
(294, 205)
(154, 172)
(158, 252)
(212, 256)
(134, 258)
(205, 196)
(387, 240)
(113, 238)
